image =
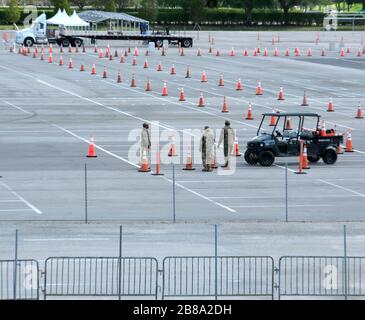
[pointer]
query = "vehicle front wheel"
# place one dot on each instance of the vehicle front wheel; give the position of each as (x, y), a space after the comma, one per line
(251, 157)
(266, 158)
(313, 158)
(28, 42)
(329, 156)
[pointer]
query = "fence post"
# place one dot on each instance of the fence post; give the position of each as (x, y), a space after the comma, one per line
(173, 195)
(286, 192)
(215, 262)
(120, 263)
(345, 258)
(85, 193)
(15, 264)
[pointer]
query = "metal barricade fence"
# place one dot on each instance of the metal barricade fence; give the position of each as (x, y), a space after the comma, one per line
(321, 276)
(191, 276)
(99, 276)
(19, 280)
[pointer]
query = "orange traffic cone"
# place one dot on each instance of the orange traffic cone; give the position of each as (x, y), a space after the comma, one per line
(77, 49)
(330, 106)
(359, 54)
(42, 56)
(288, 124)
(61, 48)
(70, 64)
(182, 52)
(83, 49)
(145, 65)
(189, 161)
(50, 48)
(91, 152)
(305, 164)
(122, 59)
(187, 75)
(203, 77)
(281, 94)
(101, 53)
(173, 71)
(276, 52)
(148, 85)
(201, 100)
(95, 48)
(164, 90)
(266, 52)
(182, 95)
(239, 86)
(272, 120)
(136, 52)
(249, 112)
(259, 89)
(359, 113)
(172, 151)
(232, 52)
(323, 131)
(111, 57)
(217, 53)
(134, 62)
(236, 151)
(349, 142)
(147, 53)
(210, 49)
(339, 149)
(221, 81)
(199, 53)
(342, 52)
(309, 53)
(105, 75)
(245, 53)
(159, 67)
(144, 163)
(126, 53)
(287, 53)
(305, 100)
(225, 108)
(119, 77)
(133, 81)
(93, 69)
(61, 61)
(34, 55)
(69, 49)
(116, 53)
(158, 164)
(82, 67)
(348, 50)
(50, 59)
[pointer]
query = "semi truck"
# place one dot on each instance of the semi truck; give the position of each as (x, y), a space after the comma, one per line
(37, 34)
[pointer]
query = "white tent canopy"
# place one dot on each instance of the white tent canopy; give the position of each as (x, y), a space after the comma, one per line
(77, 21)
(62, 18)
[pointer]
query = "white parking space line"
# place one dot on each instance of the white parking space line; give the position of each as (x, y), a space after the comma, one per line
(17, 107)
(14, 200)
(34, 208)
(342, 188)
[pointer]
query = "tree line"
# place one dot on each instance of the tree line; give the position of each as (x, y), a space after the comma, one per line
(194, 9)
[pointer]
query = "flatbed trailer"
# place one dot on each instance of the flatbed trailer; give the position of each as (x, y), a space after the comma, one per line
(77, 40)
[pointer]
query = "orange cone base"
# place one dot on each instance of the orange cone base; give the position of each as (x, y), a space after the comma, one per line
(157, 174)
(298, 172)
(144, 170)
(189, 167)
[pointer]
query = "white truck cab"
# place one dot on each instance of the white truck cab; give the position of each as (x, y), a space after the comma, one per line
(36, 33)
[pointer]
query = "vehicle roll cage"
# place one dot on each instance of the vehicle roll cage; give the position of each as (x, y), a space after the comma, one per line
(287, 115)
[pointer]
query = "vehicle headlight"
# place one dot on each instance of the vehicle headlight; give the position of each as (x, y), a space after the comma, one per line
(262, 144)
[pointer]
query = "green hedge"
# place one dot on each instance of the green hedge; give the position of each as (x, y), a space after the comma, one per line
(219, 16)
